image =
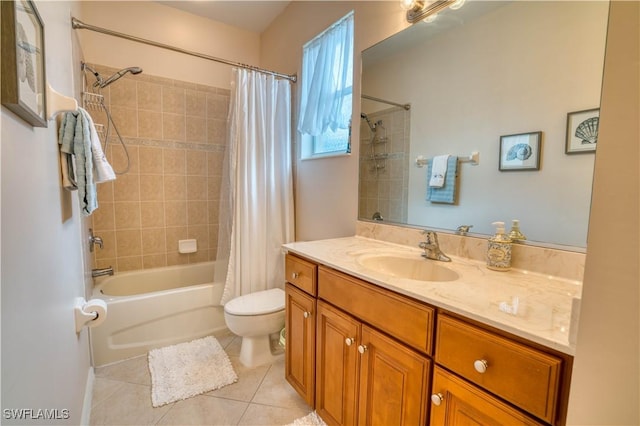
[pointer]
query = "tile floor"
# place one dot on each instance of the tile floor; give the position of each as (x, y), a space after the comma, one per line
(261, 396)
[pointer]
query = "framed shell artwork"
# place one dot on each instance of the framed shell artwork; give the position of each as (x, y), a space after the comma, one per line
(520, 152)
(582, 131)
(23, 73)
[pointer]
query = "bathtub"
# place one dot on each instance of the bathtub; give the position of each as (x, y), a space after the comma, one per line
(155, 307)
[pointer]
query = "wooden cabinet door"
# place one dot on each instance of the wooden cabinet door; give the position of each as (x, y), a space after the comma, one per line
(336, 365)
(394, 381)
(454, 401)
(300, 347)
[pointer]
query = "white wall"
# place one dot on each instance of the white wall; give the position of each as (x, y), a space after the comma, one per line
(326, 190)
(606, 377)
(45, 364)
(167, 25)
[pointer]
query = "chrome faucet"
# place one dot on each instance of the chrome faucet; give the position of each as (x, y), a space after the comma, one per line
(93, 240)
(101, 272)
(432, 248)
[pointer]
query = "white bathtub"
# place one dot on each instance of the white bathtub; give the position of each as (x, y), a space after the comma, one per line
(154, 308)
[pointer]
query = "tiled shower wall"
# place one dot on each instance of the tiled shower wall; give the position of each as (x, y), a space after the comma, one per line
(384, 182)
(175, 134)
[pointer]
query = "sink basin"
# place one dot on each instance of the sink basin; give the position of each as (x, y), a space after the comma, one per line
(408, 267)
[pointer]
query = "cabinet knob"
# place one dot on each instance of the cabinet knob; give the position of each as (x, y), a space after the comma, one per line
(480, 365)
(306, 314)
(362, 348)
(295, 275)
(349, 341)
(437, 398)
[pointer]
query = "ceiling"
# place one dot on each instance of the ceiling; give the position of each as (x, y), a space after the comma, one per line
(250, 15)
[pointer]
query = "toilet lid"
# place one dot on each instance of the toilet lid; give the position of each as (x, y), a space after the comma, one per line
(260, 302)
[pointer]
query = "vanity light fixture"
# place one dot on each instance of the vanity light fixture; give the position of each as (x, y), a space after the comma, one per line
(418, 10)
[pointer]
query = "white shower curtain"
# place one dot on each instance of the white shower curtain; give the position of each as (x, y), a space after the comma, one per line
(256, 206)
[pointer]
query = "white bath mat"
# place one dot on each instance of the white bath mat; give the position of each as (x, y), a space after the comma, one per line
(312, 419)
(188, 369)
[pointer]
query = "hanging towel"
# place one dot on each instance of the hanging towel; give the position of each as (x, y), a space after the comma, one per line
(78, 138)
(446, 194)
(438, 171)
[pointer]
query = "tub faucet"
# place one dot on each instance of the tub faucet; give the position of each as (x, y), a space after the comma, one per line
(432, 248)
(94, 240)
(102, 272)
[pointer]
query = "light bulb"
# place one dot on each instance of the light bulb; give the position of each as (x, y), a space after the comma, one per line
(407, 4)
(457, 4)
(429, 19)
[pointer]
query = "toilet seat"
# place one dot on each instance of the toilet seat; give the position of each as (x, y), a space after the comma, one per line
(258, 303)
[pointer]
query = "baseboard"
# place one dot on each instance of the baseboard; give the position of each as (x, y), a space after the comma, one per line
(88, 397)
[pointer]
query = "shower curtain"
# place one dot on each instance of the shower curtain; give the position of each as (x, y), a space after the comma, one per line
(256, 200)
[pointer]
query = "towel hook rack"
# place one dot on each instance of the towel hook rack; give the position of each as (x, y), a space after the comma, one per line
(474, 159)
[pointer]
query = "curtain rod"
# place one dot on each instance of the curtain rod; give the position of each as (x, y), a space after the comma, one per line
(371, 98)
(76, 24)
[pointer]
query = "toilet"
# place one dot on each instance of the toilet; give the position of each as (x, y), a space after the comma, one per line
(254, 317)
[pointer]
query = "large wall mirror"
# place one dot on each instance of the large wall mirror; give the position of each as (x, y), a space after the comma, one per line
(463, 82)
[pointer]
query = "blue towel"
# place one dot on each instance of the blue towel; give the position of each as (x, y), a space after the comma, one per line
(446, 194)
(75, 139)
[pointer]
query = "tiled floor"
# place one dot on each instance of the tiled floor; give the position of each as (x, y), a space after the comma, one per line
(261, 396)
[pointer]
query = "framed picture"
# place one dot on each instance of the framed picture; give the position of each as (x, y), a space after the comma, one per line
(23, 74)
(520, 152)
(582, 131)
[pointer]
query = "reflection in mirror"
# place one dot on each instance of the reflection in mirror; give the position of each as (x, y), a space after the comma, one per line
(487, 70)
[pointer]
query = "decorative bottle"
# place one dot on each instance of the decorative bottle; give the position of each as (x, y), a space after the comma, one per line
(499, 250)
(515, 234)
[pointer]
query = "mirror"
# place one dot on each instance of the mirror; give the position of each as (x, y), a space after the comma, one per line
(460, 83)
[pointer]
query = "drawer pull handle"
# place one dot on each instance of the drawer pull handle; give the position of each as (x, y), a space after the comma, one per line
(362, 348)
(295, 275)
(349, 341)
(480, 365)
(306, 314)
(437, 399)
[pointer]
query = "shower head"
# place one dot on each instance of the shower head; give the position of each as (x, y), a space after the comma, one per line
(104, 83)
(366, 118)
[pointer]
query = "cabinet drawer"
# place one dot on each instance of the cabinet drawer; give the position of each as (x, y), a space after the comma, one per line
(301, 273)
(524, 376)
(406, 320)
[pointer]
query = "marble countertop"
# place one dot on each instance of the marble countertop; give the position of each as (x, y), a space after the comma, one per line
(547, 306)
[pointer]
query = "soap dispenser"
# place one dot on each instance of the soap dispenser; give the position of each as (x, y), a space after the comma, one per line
(515, 234)
(499, 250)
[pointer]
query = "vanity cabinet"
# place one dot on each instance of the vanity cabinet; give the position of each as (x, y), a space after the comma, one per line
(300, 314)
(363, 376)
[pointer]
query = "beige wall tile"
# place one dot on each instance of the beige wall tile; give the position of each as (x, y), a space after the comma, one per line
(173, 100)
(196, 103)
(215, 163)
(152, 214)
(151, 188)
(213, 187)
(174, 234)
(154, 261)
(106, 263)
(123, 93)
(149, 124)
(216, 131)
(196, 163)
(149, 96)
(175, 187)
(217, 106)
(120, 159)
(196, 188)
(127, 215)
(175, 258)
(196, 129)
(199, 256)
(153, 241)
(197, 213)
(173, 127)
(103, 218)
(213, 237)
(201, 234)
(128, 243)
(150, 159)
(214, 212)
(127, 188)
(132, 263)
(105, 191)
(175, 213)
(174, 161)
(108, 249)
(126, 120)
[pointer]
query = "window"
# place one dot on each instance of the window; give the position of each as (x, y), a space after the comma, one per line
(326, 90)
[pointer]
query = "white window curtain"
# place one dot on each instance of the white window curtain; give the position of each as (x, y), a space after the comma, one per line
(327, 79)
(256, 197)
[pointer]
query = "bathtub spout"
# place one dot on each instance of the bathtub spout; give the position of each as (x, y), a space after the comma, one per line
(102, 272)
